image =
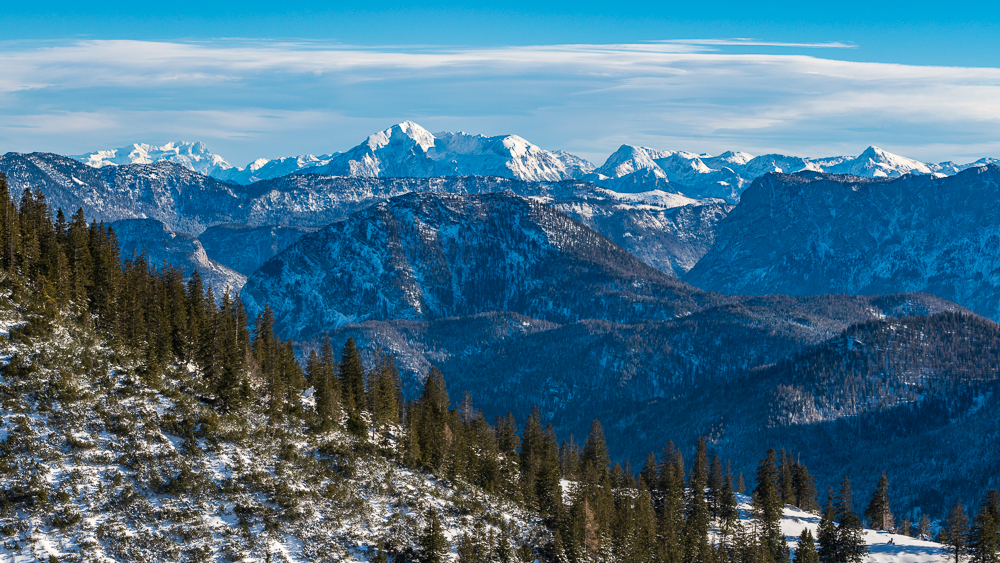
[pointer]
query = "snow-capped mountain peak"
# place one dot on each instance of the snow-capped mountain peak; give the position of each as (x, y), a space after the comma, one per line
(629, 159)
(194, 156)
(401, 134)
(877, 163)
(738, 158)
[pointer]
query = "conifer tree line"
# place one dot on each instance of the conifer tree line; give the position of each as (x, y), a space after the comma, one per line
(596, 510)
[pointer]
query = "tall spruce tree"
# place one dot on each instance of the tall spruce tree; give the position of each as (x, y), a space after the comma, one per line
(767, 507)
(955, 533)
(829, 545)
(352, 379)
(696, 543)
(984, 539)
(433, 544)
(878, 514)
(851, 545)
(805, 552)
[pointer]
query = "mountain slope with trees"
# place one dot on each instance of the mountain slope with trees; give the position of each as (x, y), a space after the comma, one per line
(143, 420)
(809, 234)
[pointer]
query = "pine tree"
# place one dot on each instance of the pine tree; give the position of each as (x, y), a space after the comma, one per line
(924, 528)
(352, 386)
(768, 507)
(984, 540)
(878, 513)
(786, 479)
(716, 484)
(805, 488)
(851, 545)
(696, 546)
(433, 545)
(432, 428)
(672, 512)
(729, 514)
(594, 459)
(384, 391)
(829, 548)
(532, 452)
(955, 533)
(806, 550)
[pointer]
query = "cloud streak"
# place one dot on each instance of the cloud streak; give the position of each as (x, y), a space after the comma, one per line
(250, 99)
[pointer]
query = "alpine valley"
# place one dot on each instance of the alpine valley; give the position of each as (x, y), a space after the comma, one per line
(209, 362)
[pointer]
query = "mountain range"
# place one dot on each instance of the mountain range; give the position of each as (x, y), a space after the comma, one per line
(621, 292)
(667, 230)
(409, 150)
(810, 234)
(521, 306)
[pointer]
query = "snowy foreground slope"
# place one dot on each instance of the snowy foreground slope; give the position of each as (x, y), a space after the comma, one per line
(106, 460)
(904, 549)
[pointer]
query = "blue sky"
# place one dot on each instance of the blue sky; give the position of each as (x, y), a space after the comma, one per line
(252, 79)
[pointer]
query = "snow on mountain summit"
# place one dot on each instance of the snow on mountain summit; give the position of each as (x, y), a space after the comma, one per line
(877, 163)
(194, 156)
(409, 150)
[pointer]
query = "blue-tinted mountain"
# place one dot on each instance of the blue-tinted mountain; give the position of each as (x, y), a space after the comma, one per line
(809, 234)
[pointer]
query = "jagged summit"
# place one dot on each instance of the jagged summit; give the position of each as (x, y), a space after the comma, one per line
(408, 150)
(194, 156)
(877, 163)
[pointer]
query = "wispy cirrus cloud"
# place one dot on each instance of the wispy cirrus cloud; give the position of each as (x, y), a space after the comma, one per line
(255, 98)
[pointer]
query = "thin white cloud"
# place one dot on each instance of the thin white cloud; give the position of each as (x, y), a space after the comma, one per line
(747, 42)
(250, 99)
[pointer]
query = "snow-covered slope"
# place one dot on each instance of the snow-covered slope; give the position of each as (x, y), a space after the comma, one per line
(877, 163)
(109, 457)
(903, 549)
(265, 169)
(163, 247)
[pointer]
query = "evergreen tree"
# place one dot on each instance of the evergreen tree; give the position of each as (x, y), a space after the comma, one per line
(878, 514)
(984, 540)
(716, 484)
(384, 392)
(352, 377)
(432, 429)
(729, 514)
(806, 550)
(851, 545)
(672, 511)
(924, 528)
(433, 545)
(594, 460)
(696, 545)
(829, 548)
(767, 507)
(805, 488)
(955, 533)
(648, 476)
